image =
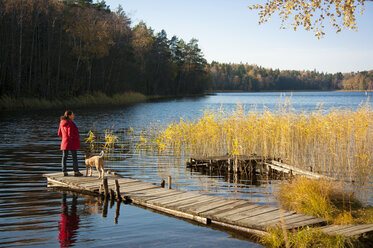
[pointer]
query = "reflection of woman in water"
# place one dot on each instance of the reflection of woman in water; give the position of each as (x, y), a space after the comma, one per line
(68, 224)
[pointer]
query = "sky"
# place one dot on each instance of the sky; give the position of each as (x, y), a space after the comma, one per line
(228, 32)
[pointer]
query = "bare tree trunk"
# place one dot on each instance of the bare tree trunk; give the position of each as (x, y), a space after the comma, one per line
(59, 60)
(32, 50)
(18, 87)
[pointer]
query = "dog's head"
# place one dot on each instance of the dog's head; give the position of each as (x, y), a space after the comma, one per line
(87, 154)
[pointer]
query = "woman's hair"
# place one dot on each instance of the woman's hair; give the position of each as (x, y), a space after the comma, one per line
(67, 115)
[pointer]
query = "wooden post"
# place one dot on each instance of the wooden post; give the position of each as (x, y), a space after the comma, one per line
(117, 210)
(169, 182)
(105, 208)
(112, 194)
(117, 189)
(106, 187)
(235, 165)
(101, 190)
(163, 183)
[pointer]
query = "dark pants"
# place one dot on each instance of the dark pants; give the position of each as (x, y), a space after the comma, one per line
(65, 154)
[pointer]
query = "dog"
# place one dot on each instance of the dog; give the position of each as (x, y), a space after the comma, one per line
(95, 161)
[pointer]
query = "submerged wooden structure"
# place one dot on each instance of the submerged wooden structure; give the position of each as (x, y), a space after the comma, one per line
(252, 164)
(240, 215)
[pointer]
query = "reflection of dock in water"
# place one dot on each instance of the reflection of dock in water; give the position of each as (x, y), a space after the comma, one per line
(234, 214)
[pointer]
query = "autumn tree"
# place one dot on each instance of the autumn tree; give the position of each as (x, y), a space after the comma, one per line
(312, 15)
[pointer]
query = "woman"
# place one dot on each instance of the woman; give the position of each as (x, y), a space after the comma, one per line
(70, 141)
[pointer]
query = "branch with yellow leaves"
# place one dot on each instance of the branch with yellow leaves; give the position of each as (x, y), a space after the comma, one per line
(312, 14)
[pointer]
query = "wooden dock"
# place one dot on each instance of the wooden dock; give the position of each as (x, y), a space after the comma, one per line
(235, 214)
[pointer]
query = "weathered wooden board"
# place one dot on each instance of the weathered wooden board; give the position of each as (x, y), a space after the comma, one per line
(207, 205)
(251, 213)
(348, 230)
(173, 198)
(187, 202)
(225, 208)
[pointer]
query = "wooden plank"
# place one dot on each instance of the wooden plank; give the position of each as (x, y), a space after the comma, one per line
(74, 181)
(251, 231)
(264, 218)
(152, 192)
(163, 195)
(254, 212)
(286, 219)
(237, 210)
(348, 230)
(138, 188)
(189, 201)
(298, 218)
(150, 197)
(53, 183)
(173, 198)
(190, 204)
(197, 205)
(298, 171)
(225, 208)
(207, 205)
(332, 228)
(345, 229)
(309, 222)
(146, 192)
(367, 229)
(175, 213)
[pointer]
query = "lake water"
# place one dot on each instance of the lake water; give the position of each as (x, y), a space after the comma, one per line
(32, 215)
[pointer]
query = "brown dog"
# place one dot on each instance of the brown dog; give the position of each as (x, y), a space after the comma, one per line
(95, 161)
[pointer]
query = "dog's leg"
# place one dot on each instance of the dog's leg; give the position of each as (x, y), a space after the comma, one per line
(99, 172)
(86, 170)
(91, 170)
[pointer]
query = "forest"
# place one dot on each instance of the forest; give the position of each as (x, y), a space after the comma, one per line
(244, 77)
(56, 49)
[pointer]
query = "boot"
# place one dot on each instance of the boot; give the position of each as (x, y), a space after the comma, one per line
(77, 174)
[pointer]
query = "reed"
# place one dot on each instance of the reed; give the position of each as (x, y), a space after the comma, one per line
(337, 142)
(323, 198)
(307, 237)
(106, 142)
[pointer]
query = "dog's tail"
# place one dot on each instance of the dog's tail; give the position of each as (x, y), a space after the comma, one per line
(102, 154)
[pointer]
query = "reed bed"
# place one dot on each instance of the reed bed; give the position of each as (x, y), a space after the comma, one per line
(337, 142)
(86, 100)
(323, 198)
(306, 238)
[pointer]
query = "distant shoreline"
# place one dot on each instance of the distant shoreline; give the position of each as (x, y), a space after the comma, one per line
(100, 99)
(242, 91)
(97, 99)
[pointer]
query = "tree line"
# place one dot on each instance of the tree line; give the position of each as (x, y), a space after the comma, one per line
(245, 77)
(55, 49)
(60, 48)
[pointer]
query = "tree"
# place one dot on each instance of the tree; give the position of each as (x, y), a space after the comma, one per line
(311, 14)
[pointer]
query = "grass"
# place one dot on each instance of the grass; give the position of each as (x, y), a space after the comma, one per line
(87, 100)
(306, 238)
(325, 199)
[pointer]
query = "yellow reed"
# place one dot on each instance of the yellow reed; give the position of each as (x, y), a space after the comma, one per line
(338, 142)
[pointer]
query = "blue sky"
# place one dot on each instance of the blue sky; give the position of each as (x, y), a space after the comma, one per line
(229, 32)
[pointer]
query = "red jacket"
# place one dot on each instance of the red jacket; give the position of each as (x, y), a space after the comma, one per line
(69, 134)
